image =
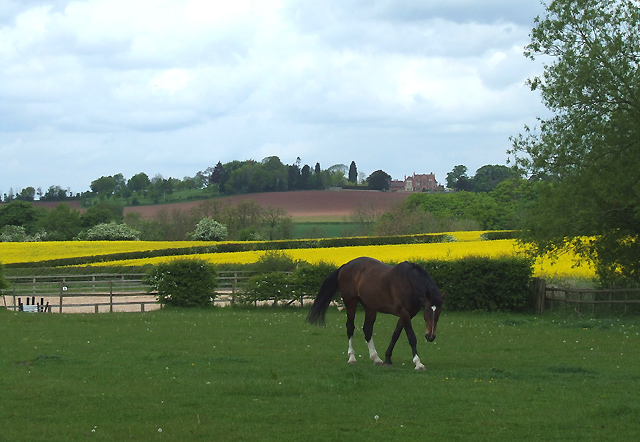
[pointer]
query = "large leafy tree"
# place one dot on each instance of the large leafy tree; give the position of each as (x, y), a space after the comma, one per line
(379, 180)
(458, 179)
(586, 155)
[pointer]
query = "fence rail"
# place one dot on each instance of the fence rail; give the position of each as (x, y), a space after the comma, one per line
(99, 292)
(551, 296)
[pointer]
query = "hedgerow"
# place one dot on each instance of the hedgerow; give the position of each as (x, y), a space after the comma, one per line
(227, 247)
(471, 284)
(486, 284)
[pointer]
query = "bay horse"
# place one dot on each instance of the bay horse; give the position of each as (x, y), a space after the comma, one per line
(402, 290)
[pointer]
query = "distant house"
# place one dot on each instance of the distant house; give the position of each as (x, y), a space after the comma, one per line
(416, 183)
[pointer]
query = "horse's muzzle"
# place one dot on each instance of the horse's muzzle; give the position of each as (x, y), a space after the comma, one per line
(430, 338)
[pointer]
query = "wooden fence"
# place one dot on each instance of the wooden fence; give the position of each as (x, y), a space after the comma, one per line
(99, 292)
(581, 300)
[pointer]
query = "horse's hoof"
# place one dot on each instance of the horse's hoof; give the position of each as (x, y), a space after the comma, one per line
(378, 362)
(421, 368)
(387, 364)
(351, 362)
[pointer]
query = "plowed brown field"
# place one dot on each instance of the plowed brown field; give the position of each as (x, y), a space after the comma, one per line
(301, 204)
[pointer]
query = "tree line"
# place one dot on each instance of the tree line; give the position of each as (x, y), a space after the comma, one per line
(234, 177)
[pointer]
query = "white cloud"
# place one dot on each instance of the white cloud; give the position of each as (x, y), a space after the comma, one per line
(183, 84)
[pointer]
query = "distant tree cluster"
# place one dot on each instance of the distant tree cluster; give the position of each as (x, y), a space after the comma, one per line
(503, 208)
(486, 178)
(22, 221)
(235, 177)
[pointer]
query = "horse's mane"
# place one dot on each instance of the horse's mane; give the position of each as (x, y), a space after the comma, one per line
(421, 282)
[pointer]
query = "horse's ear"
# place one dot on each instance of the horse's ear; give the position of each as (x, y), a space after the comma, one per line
(443, 294)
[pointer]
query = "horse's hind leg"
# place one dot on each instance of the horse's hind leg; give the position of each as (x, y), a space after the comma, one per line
(370, 318)
(351, 327)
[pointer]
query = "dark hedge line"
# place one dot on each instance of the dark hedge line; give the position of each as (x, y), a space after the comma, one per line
(485, 284)
(225, 247)
(471, 284)
(500, 234)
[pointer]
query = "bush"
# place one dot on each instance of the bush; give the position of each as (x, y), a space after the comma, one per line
(19, 234)
(267, 287)
(274, 261)
(185, 282)
(109, 232)
(486, 284)
(209, 229)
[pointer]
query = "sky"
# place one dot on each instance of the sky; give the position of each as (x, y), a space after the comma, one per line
(99, 87)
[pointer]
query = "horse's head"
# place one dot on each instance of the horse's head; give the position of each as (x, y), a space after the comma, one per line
(431, 316)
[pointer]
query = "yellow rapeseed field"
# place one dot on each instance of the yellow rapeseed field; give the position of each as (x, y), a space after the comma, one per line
(11, 252)
(468, 244)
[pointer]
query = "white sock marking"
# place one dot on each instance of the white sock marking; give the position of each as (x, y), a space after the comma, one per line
(351, 353)
(373, 354)
(419, 366)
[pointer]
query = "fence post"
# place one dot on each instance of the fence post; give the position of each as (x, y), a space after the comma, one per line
(234, 281)
(61, 292)
(540, 289)
(111, 296)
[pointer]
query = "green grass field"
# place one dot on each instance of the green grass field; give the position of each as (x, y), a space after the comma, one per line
(236, 374)
(323, 229)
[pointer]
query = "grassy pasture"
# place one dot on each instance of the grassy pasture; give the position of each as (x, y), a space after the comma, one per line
(235, 374)
(322, 229)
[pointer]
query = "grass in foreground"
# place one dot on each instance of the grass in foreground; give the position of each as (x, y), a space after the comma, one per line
(234, 374)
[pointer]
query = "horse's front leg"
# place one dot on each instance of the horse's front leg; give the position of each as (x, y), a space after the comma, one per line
(394, 339)
(369, 320)
(413, 342)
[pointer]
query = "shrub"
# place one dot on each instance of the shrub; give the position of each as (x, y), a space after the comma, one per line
(209, 229)
(19, 234)
(184, 282)
(274, 261)
(109, 232)
(274, 287)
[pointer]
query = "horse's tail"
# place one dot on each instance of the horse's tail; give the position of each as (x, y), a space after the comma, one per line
(325, 295)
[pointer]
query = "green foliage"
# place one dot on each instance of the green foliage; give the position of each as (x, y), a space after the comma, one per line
(61, 223)
(586, 156)
(485, 284)
(488, 177)
(379, 180)
(104, 211)
(471, 284)
(500, 234)
(458, 179)
(406, 219)
(4, 284)
(184, 282)
(274, 261)
(20, 213)
(19, 234)
(209, 229)
(109, 232)
(307, 278)
(266, 287)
